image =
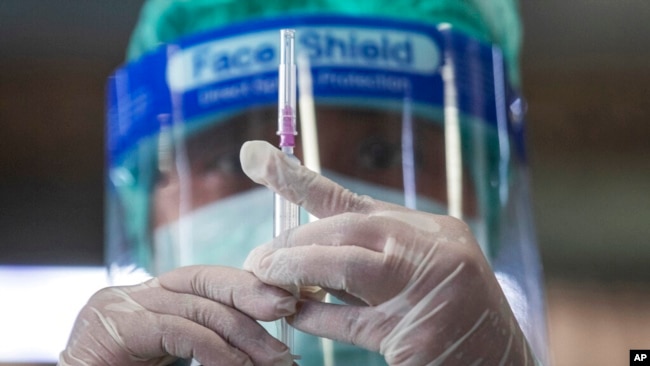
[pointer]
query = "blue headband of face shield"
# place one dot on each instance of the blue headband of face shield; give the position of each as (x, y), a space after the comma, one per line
(444, 77)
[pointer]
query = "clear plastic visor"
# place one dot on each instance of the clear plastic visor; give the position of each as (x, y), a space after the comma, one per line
(394, 150)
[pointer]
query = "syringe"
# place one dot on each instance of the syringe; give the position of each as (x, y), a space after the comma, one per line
(287, 214)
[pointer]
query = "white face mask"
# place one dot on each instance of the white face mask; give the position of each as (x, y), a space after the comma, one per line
(225, 231)
(222, 233)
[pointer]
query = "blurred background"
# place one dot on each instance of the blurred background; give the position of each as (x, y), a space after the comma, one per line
(586, 75)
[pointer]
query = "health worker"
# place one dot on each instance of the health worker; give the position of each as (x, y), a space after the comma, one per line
(420, 249)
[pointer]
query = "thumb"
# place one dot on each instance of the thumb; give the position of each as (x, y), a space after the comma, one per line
(267, 165)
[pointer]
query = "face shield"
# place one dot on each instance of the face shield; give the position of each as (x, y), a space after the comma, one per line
(413, 114)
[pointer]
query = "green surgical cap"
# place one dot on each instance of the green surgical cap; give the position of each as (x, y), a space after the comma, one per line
(494, 21)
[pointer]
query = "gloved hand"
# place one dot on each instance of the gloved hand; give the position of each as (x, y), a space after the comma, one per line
(417, 286)
(203, 312)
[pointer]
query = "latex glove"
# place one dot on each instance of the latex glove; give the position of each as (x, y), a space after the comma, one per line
(201, 312)
(419, 289)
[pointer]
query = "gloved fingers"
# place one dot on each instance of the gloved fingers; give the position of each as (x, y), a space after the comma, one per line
(239, 330)
(358, 325)
(346, 229)
(232, 287)
(266, 165)
(357, 271)
(180, 337)
(113, 328)
(342, 253)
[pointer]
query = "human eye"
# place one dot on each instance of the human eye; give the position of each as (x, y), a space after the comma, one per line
(377, 153)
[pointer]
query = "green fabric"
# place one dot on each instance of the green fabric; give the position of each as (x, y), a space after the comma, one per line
(495, 21)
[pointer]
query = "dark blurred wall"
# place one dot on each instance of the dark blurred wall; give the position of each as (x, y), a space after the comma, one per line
(55, 57)
(586, 68)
